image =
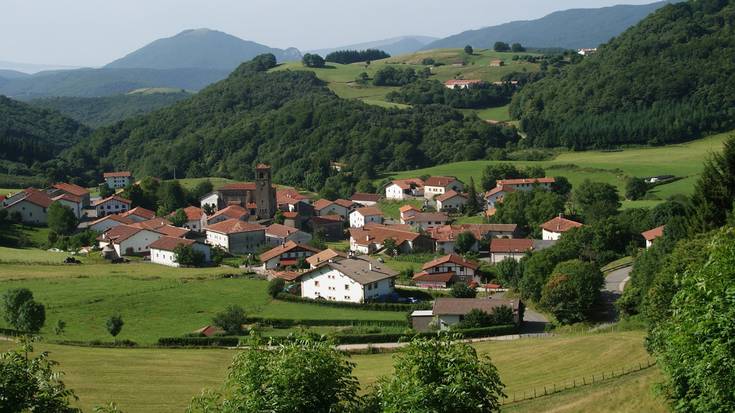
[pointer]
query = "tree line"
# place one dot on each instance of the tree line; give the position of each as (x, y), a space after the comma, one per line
(427, 92)
(346, 57)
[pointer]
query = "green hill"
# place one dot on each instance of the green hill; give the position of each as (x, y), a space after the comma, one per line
(29, 134)
(289, 119)
(102, 111)
(668, 79)
(200, 48)
(569, 29)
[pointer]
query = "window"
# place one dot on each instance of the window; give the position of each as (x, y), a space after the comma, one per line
(316, 283)
(347, 286)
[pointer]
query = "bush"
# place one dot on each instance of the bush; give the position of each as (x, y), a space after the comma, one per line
(231, 319)
(462, 290)
(114, 325)
(199, 341)
(275, 286)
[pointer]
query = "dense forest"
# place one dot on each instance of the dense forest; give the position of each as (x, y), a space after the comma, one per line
(346, 57)
(29, 134)
(427, 92)
(289, 119)
(668, 79)
(106, 110)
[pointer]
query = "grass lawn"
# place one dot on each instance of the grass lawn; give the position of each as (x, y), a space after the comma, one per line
(8, 191)
(190, 183)
(617, 263)
(612, 167)
(499, 114)
(391, 208)
(464, 219)
(164, 380)
(343, 245)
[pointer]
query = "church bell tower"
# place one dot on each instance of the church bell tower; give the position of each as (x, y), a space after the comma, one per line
(265, 193)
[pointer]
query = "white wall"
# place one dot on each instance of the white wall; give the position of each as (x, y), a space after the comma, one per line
(117, 182)
(30, 213)
(138, 242)
(452, 203)
(496, 258)
(332, 285)
(168, 258)
(357, 220)
(212, 199)
(334, 209)
(104, 225)
(219, 240)
(550, 236)
(75, 208)
(112, 206)
(394, 192)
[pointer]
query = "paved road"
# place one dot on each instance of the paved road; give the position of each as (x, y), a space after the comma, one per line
(616, 280)
(611, 291)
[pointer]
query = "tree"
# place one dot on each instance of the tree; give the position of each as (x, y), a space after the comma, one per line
(509, 272)
(501, 47)
(303, 375)
(714, 193)
(469, 50)
(31, 384)
(276, 286)
(517, 48)
(208, 209)
(171, 196)
(187, 256)
(105, 190)
(13, 300)
(572, 290)
(31, 316)
(635, 188)
(476, 318)
(503, 315)
(431, 374)
(178, 218)
(114, 324)
(695, 347)
(61, 219)
(200, 190)
(278, 218)
(231, 319)
(561, 186)
(473, 203)
(596, 200)
(313, 60)
(60, 327)
(465, 242)
(462, 290)
(318, 240)
(495, 172)
(390, 247)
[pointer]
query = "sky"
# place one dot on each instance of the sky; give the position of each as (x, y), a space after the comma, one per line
(95, 32)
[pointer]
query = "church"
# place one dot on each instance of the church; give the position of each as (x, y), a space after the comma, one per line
(258, 197)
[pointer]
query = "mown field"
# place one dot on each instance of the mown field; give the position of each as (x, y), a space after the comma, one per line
(164, 380)
(683, 160)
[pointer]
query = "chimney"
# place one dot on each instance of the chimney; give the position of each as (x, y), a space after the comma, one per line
(370, 266)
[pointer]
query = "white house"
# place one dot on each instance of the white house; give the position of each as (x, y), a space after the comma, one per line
(506, 186)
(366, 215)
(31, 204)
(128, 240)
(401, 189)
(111, 205)
(162, 250)
(553, 229)
(235, 236)
(365, 199)
(371, 238)
(447, 270)
(438, 185)
(71, 189)
(462, 83)
(195, 219)
(74, 203)
(353, 279)
(109, 221)
(210, 200)
(426, 220)
(341, 207)
(139, 214)
(651, 235)
(502, 248)
(115, 180)
(230, 212)
(450, 201)
(287, 254)
(277, 234)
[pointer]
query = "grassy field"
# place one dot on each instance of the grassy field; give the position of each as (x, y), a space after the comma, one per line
(390, 209)
(341, 78)
(164, 380)
(683, 160)
(499, 114)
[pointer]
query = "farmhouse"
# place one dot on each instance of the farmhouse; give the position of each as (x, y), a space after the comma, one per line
(505, 186)
(365, 215)
(401, 189)
(162, 226)
(497, 63)
(354, 279)
(286, 255)
(365, 199)
(516, 249)
(111, 205)
(497, 196)
(450, 201)
(450, 311)
(371, 238)
(139, 214)
(117, 180)
(447, 270)
(552, 230)
(341, 207)
(31, 204)
(195, 219)
(73, 202)
(290, 200)
(259, 197)
(235, 236)
(651, 235)
(109, 221)
(162, 250)
(461, 83)
(332, 226)
(426, 220)
(71, 189)
(408, 211)
(230, 212)
(438, 185)
(446, 236)
(128, 240)
(324, 256)
(277, 234)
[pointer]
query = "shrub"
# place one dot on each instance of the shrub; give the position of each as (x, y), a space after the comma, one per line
(231, 319)
(462, 290)
(114, 324)
(275, 286)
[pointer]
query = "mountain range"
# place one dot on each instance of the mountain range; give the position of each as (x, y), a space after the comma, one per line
(393, 46)
(568, 29)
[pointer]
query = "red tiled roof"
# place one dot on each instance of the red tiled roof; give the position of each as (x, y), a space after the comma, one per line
(407, 208)
(345, 203)
(172, 231)
(325, 256)
(444, 277)
(112, 198)
(287, 247)
(238, 186)
(462, 306)
(170, 243)
(369, 211)
(327, 219)
(378, 233)
(118, 218)
(448, 195)
(408, 183)
(35, 197)
(231, 212)
(119, 233)
(140, 212)
(652, 234)
(288, 275)
(290, 215)
(451, 258)
(234, 226)
(499, 189)
(193, 213)
(440, 181)
(279, 230)
(560, 224)
(71, 189)
(68, 197)
(365, 197)
(262, 166)
(479, 231)
(511, 245)
(121, 174)
(428, 217)
(152, 224)
(321, 204)
(289, 196)
(525, 181)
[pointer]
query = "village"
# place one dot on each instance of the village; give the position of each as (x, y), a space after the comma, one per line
(283, 234)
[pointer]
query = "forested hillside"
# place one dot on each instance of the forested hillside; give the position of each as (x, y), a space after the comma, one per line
(289, 119)
(29, 134)
(670, 78)
(103, 111)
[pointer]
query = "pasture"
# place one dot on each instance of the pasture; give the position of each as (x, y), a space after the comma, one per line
(164, 380)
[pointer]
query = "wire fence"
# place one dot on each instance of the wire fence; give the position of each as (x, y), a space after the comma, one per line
(543, 391)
